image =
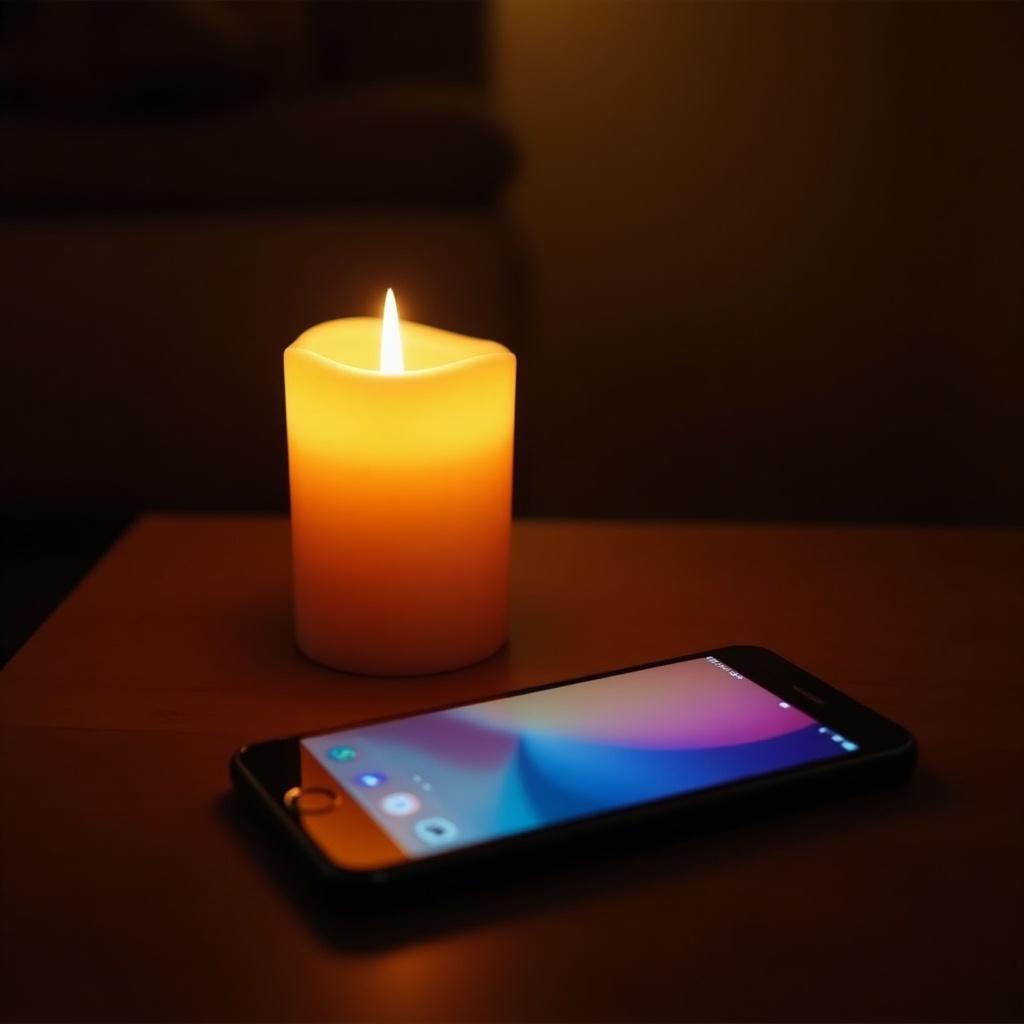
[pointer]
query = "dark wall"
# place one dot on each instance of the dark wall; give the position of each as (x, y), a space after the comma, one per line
(775, 251)
(778, 253)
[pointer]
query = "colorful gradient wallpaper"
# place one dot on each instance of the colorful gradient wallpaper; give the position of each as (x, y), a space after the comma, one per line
(471, 774)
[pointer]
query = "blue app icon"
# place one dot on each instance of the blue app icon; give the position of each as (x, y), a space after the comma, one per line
(371, 779)
(342, 753)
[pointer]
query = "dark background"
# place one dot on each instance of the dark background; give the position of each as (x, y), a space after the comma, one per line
(758, 261)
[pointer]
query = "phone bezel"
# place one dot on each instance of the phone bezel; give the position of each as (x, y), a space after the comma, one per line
(883, 745)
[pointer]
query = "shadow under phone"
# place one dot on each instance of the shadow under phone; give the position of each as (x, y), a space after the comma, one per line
(650, 855)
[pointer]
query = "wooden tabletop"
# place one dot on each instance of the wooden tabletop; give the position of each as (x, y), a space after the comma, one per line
(133, 889)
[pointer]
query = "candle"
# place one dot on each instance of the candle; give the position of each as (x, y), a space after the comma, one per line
(400, 465)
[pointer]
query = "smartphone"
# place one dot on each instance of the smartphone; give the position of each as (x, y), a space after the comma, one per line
(464, 786)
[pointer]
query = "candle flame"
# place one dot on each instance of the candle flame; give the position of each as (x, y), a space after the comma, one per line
(392, 359)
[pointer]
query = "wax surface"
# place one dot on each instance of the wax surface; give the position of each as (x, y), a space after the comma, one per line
(400, 497)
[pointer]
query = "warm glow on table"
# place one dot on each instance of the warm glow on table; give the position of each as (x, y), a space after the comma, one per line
(400, 459)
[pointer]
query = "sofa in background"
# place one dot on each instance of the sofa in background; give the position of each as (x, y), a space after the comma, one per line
(163, 242)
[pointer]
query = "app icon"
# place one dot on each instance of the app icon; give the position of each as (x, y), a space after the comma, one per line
(435, 831)
(848, 745)
(342, 753)
(371, 779)
(400, 805)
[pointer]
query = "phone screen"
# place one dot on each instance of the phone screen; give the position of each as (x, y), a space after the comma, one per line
(475, 773)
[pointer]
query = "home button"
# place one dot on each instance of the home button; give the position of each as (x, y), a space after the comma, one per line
(310, 799)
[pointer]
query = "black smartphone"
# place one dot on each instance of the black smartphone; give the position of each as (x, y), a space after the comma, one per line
(459, 787)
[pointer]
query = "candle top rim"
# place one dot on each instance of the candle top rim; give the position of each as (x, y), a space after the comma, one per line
(443, 351)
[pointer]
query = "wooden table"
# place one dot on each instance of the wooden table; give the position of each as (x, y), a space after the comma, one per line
(132, 888)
